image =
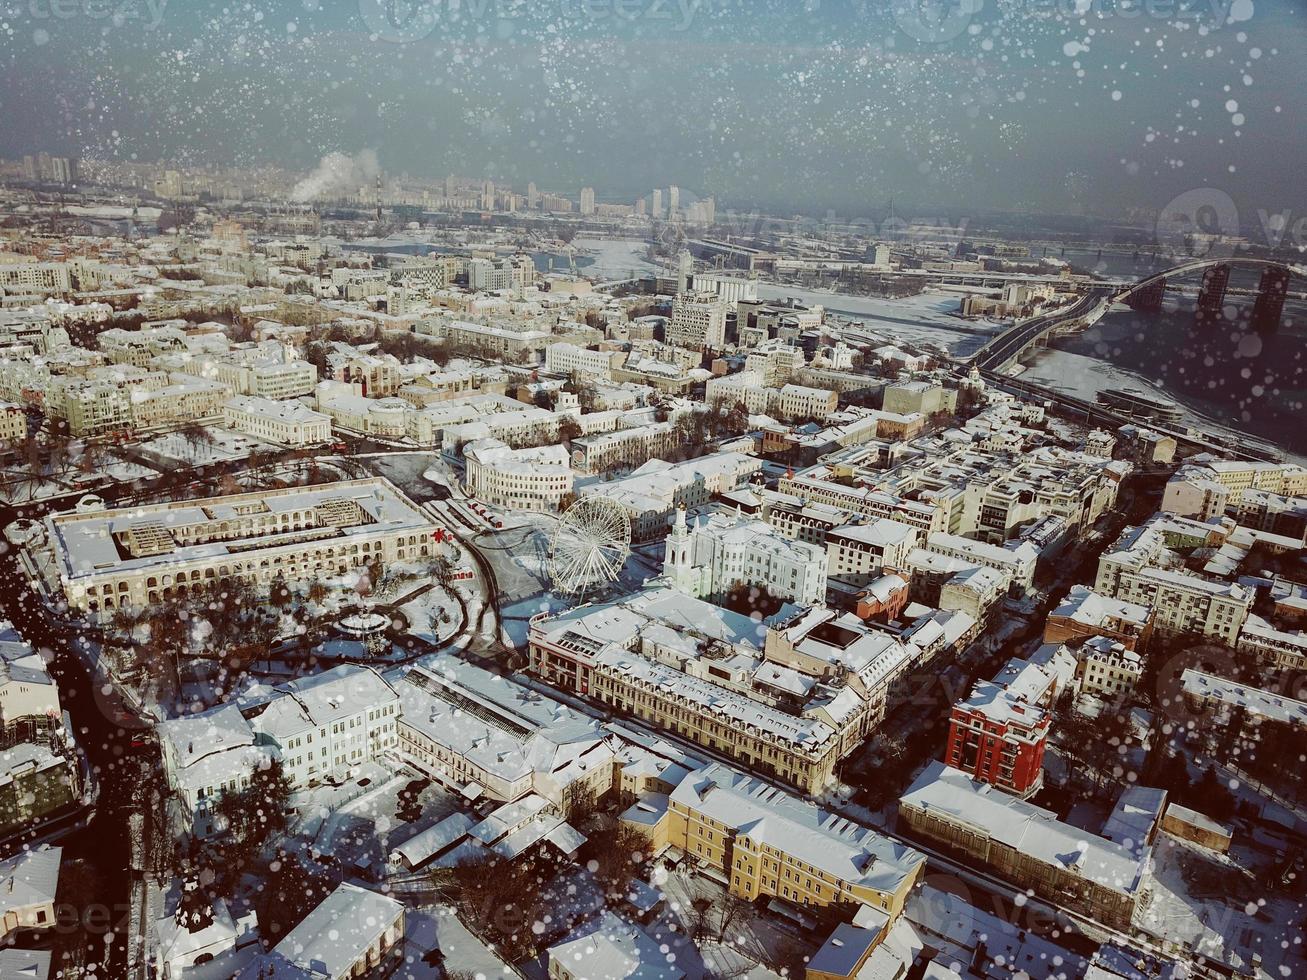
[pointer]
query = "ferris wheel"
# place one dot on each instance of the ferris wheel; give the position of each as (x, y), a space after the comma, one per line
(590, 545)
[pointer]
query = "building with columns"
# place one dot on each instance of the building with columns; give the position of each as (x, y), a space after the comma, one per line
(140, 555)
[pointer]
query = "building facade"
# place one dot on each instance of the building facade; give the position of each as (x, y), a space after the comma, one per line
(537, 479)
(138, 556)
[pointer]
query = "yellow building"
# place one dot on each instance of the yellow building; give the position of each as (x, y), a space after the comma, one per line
(770, 843)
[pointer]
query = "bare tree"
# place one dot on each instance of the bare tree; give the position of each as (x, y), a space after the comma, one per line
(730, 914)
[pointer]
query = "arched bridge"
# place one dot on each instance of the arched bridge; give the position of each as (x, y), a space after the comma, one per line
(1202, 265)
(1146, 294)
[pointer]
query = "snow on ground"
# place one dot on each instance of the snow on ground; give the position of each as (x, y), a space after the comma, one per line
(611, 259)
(316, 806)
(18, 489)
(406, 470)
(124, 470)
(1085, 377)
(366, 827)
(515, 619)
(425, 615)
(923, 318)
(224, 444)
(753, 939)
(1203, 901)
(520, 555)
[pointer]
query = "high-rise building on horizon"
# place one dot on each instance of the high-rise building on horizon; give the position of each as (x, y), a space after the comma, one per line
(656, 208)
(587, 200)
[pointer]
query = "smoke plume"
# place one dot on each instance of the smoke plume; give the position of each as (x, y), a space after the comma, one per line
(337, 174)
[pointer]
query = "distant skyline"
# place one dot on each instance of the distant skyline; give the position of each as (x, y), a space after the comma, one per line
(803, 106)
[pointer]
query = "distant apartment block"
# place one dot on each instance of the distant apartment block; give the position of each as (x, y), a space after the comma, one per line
(698, 322)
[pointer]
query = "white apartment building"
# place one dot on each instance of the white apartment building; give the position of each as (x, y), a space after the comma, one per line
(775, 362)
(1184, 602)
(373, 375)
(1283, 649)
(385, 417)
(139, 347)
(622, 448)
(818, 485)
(698, 321)
(27, 691)
(975, 591)
(713, 555)
(1143, 567)
(36, 278)
(322, 726)
(139, 555)
(1018, 561)
(491, 275)
(125, 397)
(746, 388)
(266, 370)
(484, 735)
(182, 399)
(802, 402)
(293, 379)
(286, 423)
(487, 339)
(924, 397)
(654, 490)
(92, 408)
(1108, 668)
(1100, 443)
(538, 479)
(568, 359)
(204, 756)
(861, 553)
(527, 424)
(328, 724)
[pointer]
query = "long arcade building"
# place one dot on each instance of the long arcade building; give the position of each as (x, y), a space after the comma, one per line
(140, 555)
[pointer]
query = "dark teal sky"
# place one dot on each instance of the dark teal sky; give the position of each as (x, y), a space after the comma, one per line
(803, 105)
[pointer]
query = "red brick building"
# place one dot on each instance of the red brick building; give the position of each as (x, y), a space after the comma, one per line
(998, 733)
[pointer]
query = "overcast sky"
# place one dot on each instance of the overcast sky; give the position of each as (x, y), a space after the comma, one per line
(804, 105)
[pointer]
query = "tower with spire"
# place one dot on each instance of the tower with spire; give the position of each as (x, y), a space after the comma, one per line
(678, 560)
